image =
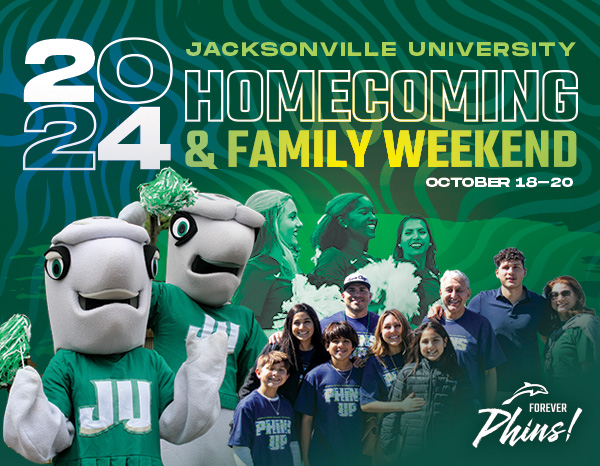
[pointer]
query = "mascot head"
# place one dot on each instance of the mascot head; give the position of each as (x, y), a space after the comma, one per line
(209, 245)
(98, 284)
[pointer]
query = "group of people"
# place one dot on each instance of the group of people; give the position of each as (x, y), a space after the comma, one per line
(386, 392)
(353, 386)
(341, 241)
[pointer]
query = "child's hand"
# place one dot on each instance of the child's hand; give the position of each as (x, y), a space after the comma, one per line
(410, 403)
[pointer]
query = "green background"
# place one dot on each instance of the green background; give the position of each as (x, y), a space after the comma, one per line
(556, 228)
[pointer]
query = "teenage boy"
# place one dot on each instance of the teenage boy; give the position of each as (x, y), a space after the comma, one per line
(329, 400)
(516, 315)
(262, 422)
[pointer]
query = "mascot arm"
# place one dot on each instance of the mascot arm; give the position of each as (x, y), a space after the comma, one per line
(33, 426)
(254, 344)
(195, 406)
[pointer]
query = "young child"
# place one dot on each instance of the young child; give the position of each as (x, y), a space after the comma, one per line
(432, 373)
(262, 432)
(329, 400)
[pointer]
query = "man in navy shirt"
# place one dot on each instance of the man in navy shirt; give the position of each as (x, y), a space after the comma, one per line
(357, 296)
(476, 346)
(516, 315)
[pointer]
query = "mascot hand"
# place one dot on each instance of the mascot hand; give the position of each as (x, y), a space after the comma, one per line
(34, 427)
(196, 405)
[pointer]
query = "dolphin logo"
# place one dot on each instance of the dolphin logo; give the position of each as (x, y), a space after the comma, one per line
(531, 388)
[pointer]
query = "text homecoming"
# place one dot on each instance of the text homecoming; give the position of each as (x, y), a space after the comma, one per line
(372, 95)
(403, 96)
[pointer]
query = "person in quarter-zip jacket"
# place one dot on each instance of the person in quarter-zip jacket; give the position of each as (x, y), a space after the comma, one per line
(434, 375)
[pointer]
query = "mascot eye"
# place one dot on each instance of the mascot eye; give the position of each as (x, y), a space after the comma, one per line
(154, 264)
(55, 267)
(183, 227)
(58, 261)
(151, 256)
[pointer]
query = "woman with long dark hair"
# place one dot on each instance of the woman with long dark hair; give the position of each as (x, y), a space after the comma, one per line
(302, 341)
(432, 373)
(415, 244)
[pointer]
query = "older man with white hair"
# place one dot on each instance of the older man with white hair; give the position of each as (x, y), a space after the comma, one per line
(472, 336)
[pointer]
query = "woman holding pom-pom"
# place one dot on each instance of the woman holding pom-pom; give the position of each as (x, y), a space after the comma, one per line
(415, 245)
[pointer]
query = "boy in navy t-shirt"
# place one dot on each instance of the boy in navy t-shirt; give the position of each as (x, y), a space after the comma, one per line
(329, 400)
(262, 432)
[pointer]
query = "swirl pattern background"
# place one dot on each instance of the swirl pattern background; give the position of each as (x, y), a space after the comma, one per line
(557, 228)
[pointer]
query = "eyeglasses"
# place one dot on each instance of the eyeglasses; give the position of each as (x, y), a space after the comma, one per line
(555, 294)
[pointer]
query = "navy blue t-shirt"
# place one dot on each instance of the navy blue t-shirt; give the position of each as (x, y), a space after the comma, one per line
(477, 348)
(335, 404)
(516, 328)
(306, 357)
(365, 327)
(378, 378)
(257, 425)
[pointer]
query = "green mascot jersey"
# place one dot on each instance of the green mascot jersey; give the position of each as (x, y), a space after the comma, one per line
(114, 402)
(173, 314)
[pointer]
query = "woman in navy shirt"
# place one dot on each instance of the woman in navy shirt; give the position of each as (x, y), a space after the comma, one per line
(392, 339)
(302, 341)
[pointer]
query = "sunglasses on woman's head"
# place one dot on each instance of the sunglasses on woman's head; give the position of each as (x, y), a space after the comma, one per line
(555, 294)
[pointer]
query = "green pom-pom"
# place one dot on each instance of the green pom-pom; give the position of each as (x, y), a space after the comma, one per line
(14, 347)
(167, 194)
